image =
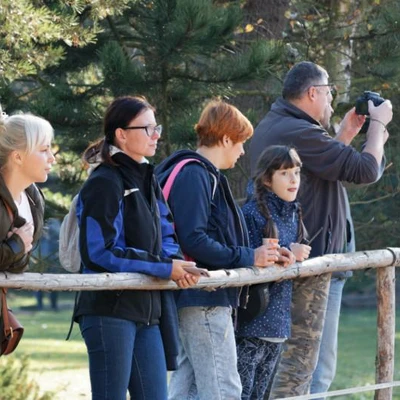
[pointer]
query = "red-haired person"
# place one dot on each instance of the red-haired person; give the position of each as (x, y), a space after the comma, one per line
(212, 231)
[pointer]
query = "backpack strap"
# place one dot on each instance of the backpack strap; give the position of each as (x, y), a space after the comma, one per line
(171, 178)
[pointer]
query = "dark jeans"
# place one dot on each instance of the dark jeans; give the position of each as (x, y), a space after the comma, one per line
(124, 356)
(256, 365)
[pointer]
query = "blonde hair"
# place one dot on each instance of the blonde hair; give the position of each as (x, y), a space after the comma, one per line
(24, 132)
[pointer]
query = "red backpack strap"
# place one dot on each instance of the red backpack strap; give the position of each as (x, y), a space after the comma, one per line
(170, 181)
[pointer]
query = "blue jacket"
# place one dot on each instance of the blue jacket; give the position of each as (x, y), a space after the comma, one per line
(276, 321)
(210, 226)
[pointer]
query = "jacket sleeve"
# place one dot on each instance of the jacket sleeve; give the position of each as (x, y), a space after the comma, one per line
(12, 255)
(101, 238)
(332, 160)
(191, 205)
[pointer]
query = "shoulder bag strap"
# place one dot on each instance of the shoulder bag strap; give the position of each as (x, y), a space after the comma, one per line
(170, 181)
(4, 312)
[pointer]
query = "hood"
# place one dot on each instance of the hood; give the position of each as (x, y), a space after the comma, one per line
(164, 169)
(95, 159)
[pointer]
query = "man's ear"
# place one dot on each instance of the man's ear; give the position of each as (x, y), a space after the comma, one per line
(312, 93)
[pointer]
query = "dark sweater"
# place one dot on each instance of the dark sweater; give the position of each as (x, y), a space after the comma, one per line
(326, 162)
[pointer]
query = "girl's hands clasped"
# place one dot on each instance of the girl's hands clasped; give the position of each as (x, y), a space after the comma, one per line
(301, 251)
(286, 257)
(267, 254)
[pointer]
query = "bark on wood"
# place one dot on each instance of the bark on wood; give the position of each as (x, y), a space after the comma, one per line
(385, 289)
(220, 278)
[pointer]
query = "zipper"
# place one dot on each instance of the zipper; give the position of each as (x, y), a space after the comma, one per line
(151, 308)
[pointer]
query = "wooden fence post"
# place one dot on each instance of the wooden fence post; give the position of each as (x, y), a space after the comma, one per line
(385, 290)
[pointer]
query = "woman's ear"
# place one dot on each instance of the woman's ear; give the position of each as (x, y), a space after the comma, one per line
(16, 157)
(120, 135)
(225, 140)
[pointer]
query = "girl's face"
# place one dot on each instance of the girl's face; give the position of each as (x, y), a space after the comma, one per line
(37, 165)
(139, 143)
(285, 183)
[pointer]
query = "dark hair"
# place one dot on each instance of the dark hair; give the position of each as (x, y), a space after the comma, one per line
(118, 115)
(218, 119)
(272, 159)
(300, 77)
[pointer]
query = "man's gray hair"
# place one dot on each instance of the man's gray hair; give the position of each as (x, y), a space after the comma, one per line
(300, 77)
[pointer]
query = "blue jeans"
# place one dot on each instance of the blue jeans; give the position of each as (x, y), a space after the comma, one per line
(326, 367)
(207, 356)
(124, 355)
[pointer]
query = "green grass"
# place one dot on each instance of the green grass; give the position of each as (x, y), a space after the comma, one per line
(45, 332)
(357, 351)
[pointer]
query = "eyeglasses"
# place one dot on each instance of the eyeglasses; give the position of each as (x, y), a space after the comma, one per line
(332, 88)
(150, 130)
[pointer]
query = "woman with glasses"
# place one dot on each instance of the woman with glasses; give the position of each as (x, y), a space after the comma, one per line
(125, 226)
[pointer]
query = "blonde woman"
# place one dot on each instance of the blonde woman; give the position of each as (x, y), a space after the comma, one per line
(25, 158)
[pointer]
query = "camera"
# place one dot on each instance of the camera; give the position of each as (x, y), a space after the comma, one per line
(362, 102)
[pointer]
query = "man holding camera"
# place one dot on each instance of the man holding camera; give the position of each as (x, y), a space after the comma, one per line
(298, 119)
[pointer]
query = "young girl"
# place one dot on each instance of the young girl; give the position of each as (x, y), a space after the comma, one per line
(272, 212)
(25, 158)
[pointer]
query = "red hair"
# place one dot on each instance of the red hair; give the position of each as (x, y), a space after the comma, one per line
(218, 119)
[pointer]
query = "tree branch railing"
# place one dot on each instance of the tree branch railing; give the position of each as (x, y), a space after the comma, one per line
(385, 260)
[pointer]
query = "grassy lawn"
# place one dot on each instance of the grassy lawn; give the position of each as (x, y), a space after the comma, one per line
(49, 353)
(45, 332)
(357, 348)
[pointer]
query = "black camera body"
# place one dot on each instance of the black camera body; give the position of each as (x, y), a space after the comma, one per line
(362, 102)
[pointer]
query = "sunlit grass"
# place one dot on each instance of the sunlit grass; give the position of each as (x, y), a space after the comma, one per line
(45, 332)
(357, 352)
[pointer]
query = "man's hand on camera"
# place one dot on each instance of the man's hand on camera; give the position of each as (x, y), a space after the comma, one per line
(350, 126)
(382, 114)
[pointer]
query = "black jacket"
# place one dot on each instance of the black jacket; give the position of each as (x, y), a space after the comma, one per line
(109, 199)
(326, 162)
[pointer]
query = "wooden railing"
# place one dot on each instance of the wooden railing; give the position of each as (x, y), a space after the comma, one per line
(384, 260)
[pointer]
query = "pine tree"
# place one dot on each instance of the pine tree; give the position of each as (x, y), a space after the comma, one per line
(180, 52)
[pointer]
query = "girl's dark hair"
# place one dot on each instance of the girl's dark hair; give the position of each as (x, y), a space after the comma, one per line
(118, 115)
(272, 159)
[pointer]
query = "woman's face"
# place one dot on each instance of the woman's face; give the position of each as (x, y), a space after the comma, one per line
(142, 142)
(36, 166)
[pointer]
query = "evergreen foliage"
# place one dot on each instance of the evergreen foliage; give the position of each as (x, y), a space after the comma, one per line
(358, 43)
(15, 383)
(66, 60)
